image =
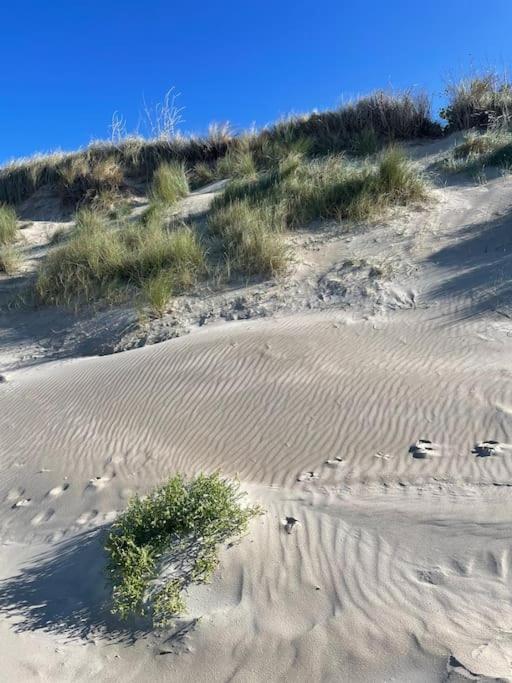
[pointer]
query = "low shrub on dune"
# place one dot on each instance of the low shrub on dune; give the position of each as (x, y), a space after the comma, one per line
(169, 539)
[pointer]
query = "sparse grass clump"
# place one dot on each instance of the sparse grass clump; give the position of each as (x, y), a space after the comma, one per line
(478, 102)
(170, 183)
(8, 228)
(9, 259)
(169, 539)
(332, 188)
(480, 149)
(249, 238)
(157, 291)
(82, 181)
(238, 163)
(100, 261)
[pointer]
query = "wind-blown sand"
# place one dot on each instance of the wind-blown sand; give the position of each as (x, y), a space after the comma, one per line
(400, 568)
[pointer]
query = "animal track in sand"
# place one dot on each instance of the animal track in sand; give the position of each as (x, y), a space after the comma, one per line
(58, 490)
(42, 517)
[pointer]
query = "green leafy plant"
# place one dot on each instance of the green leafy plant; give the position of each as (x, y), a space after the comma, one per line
(165, 541)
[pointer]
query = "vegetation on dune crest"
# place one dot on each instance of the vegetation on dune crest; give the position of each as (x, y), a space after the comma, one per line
(478, 102)
(169, 539)
(81, 180)
(361, 126)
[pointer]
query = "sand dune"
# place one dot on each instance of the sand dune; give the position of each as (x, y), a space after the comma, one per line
(381, 422)
(398, 562)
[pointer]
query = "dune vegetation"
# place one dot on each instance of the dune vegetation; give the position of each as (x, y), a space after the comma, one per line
(345, 165)
(169, 539)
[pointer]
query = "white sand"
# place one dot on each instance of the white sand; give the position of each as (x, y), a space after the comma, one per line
(400, 568)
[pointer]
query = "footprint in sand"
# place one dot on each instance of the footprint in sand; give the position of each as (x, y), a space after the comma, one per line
(307, 476)
(334, 462)
(22, 503)
(57, 491)
(423, 448)
(485, 449)
(98, 483)
(87, 517)
(42, 517)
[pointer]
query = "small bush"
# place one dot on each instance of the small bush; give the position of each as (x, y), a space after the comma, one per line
(8, 228)
(164, 542)
(9, 260)
(169, 183)
(478, 102)
(203, 174)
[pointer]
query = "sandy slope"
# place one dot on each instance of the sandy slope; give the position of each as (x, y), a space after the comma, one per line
(400, 568)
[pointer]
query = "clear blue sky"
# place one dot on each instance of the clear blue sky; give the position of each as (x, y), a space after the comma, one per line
(68, 65)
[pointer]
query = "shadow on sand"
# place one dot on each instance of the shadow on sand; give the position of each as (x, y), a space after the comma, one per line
(63, 591)
(481, 263)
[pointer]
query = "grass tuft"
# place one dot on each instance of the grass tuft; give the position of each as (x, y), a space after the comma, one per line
(478, 102)
(8, 227)
(9, 260)
(167, 540)
(249, 239)
(157, 290)
(169, 183)
(99, 261)
(333, 187)
(82, 181)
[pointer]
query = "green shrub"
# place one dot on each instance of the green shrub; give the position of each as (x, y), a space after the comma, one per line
(58, 236)
(169, 539)
(8, 228)
(169, 183)
(365, 143)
